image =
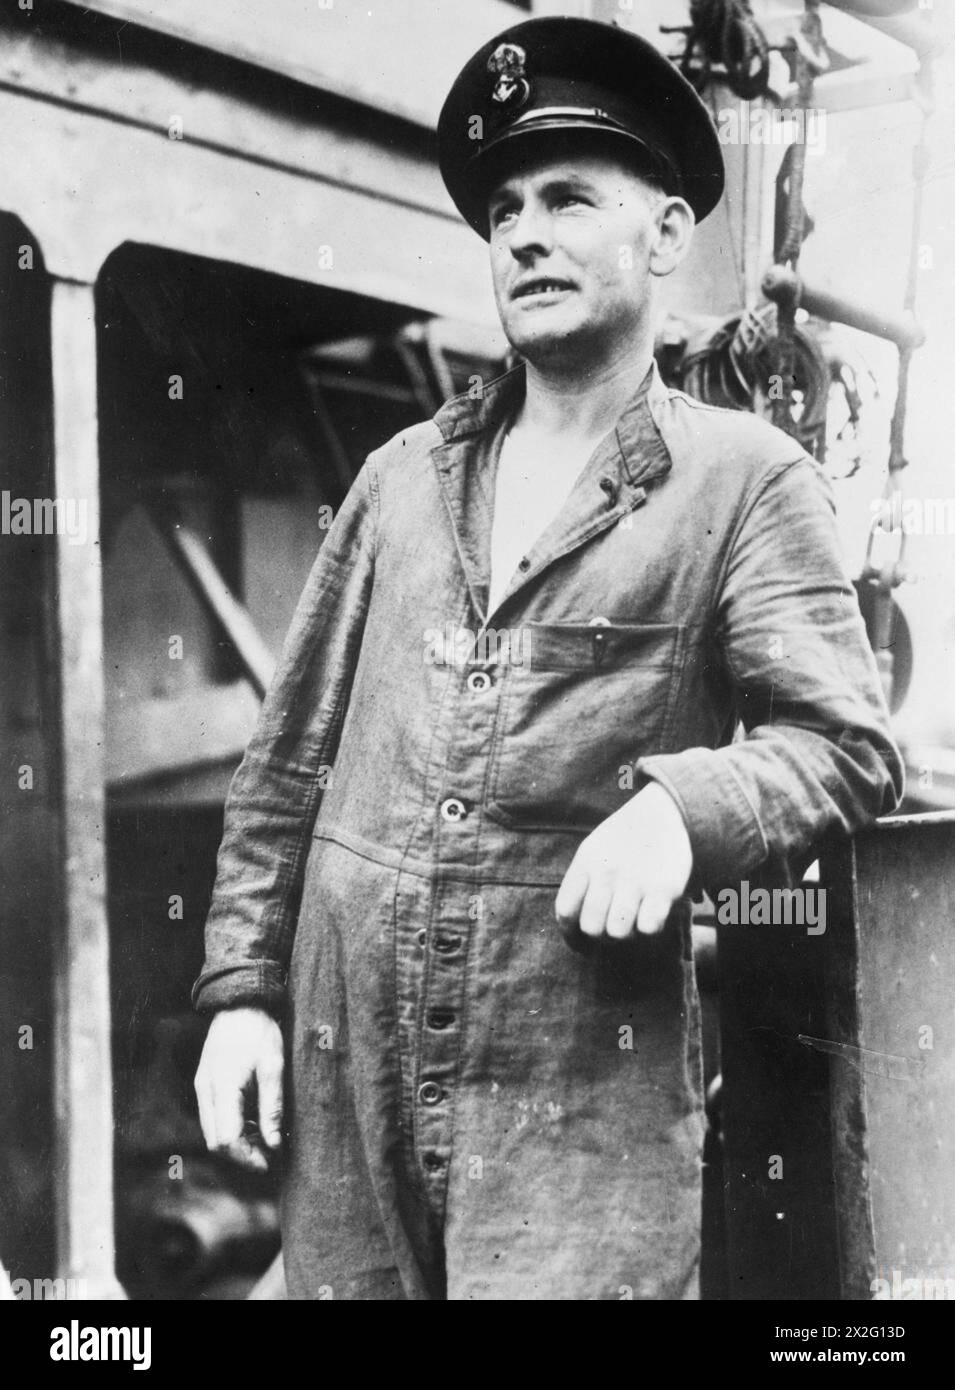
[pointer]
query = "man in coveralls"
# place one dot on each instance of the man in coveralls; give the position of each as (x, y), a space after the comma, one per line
(526, 646)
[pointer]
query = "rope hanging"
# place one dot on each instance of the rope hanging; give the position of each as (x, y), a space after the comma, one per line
(807, 56)
(724, 33)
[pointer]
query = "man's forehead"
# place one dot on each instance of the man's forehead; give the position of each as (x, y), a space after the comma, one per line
(585, 168)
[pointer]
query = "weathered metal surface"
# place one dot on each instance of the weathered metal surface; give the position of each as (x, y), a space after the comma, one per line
(356, 51)
(208, 203)
(838, 1058)
(194, 101)
(893, 1067)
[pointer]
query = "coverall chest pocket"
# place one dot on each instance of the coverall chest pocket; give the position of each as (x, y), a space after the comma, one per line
(586, 703)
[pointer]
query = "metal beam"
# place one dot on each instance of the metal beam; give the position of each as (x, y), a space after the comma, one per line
(357, 51)
(230, 617)
(83, 1090)
(208, 203)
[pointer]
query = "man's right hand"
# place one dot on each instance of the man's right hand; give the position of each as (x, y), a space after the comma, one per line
(239, 1085)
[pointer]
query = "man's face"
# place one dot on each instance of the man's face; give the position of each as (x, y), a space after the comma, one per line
(571, 247)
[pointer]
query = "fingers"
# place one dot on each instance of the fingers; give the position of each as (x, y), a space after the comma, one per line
(242, 1059)
(269, 1078)
(247, 1152)
(615, 910)
(596, 905)
(627, 873)
(653, 914)
(206, 1109)
(227, 1111)
(224, 1128)
(570, 899)
(622, 913)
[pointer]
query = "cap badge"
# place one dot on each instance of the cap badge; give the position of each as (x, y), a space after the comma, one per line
(506, 63)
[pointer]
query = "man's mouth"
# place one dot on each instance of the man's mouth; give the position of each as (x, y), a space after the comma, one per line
(539, 287)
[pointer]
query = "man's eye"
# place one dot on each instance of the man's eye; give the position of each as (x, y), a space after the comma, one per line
(502, 213)
(567, 200)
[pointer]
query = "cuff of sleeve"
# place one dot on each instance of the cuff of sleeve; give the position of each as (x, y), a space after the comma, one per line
(723, 826)
(257, 984)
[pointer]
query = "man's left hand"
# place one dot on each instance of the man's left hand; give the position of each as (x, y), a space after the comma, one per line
(628, 872)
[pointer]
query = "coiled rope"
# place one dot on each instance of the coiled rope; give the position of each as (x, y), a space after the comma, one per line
(725, 33)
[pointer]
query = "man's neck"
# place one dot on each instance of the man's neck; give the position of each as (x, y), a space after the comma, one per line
(581, 405)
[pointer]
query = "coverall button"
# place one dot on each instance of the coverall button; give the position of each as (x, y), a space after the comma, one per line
(524, 565)
(453, 809)
(421, 936)
(430, 1093)
(600, 622)
(433, 1162)
(478, 680)
(446, 944)
(440, 1018)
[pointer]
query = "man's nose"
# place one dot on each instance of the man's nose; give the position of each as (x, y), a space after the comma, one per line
(532, 233)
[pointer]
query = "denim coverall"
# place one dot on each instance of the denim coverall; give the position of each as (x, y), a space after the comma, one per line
(475, 1110)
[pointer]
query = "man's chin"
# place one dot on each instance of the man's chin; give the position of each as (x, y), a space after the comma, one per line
(543, 342)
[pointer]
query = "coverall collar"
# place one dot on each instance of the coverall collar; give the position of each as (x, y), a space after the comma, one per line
(643, 454)
(610, 485)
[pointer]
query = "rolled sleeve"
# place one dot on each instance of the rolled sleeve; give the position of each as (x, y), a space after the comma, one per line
(259, 983)
(818, 753)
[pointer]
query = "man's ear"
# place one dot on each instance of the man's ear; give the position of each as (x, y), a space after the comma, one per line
(674, 223)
